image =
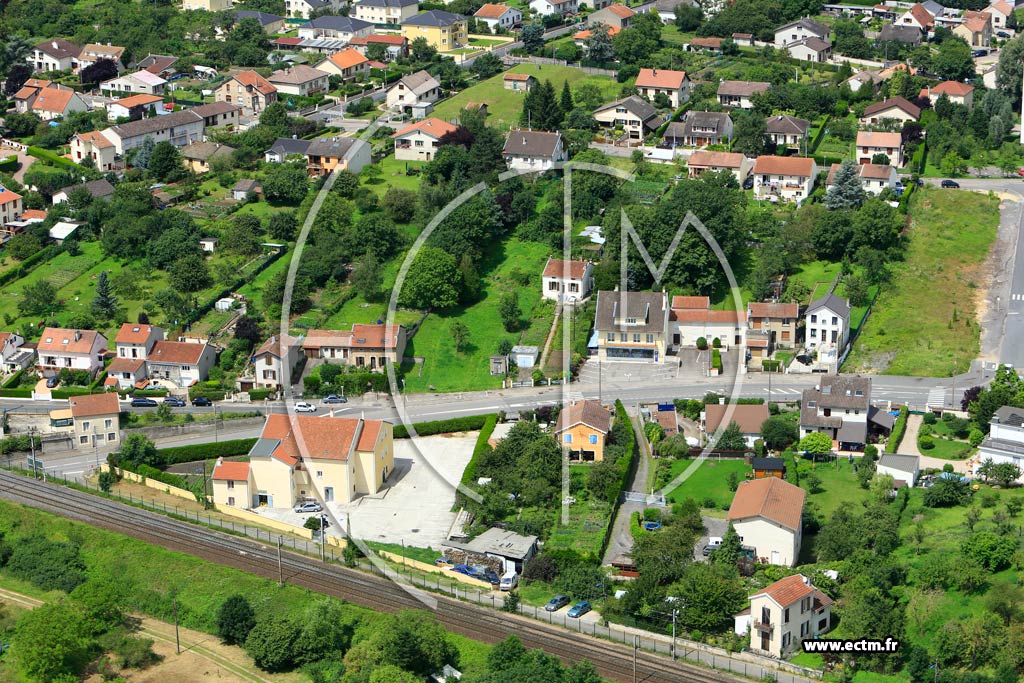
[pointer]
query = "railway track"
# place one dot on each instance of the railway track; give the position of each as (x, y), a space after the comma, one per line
(613, 661)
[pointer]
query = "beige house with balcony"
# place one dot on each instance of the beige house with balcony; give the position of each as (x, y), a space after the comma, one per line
(304, 457)
(785, 613)
(733, 162)
(674, 84)
(784, 178)
(420, 141)
(60, 348)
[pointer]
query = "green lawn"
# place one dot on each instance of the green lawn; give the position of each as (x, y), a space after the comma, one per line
(838, 483)
(814, 274)
(708, 483)
(924, 322)
(588, 522)
(394, 175)
(504, 106)
(449, 370)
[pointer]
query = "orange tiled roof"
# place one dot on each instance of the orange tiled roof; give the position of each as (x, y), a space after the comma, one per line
(680, 301)
(347, 58)
(491, 11)
(586, 33)
(139, 100)
(63, 340)
(620, 11)
(33, 214)
(431, 126)
(133, 334)
(716, 159)
(179, 353)
(951, 89)
(558, 268)
(326, 438)
(766, 310)
(789, 590)
(8, 196)
(773, 499)
(228, 470)
(773, 165)
(95, 138)
(94, 404)
(53, 100)
(254, 80)
(660, 78)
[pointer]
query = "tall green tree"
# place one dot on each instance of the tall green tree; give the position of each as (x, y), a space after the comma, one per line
(189, 274)
(509, 310)
(566, 102)
(104, 304)
(235, 619)
(37, 298)
(165, 162)
(847, 190)
(599, 46)
(749, 134)
(432, 280)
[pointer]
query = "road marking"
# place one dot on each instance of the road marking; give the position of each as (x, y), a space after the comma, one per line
(1017, 297)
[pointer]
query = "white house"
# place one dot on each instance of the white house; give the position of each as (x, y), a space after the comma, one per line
(748, 418)
(336, 28)
(139, 82)
(692, 318)
(767, 515)
(785, 178)
(413, 91)
(786, 613)
(300, 80)
(392, 12)
(918, 17)
(12, 356)
(828, 326)
(869, 143)
(60, 348)
(798, 30)
(498, 16)
(1000, 12)
(674, 84)
(738, 94)
(53, 55)
(534, 150)
(273, 363)
(904, 469)
(874, 178)
(143, 104)
(895, 108)
(634, 115)
(734, 162)
(348, 63)
(840, 406)
(788, 131)
(180, 128)
(420, 141)
(303, 9)
(810, 50)
(1005, 440)
(957, 92)
(181, 363)
(567, 281)
(546, 7)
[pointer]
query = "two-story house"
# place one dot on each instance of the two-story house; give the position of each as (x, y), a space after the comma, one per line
(534, 151)
(249, 90)
(786, 613)
(11, 205)
(324, 155)
(895, 108)
(828, 326)
(348, 63)
(874, 178)
(567, 281)
(498, 17)
(272, 363)
(918, 17)
(53, 55)
(785, 178)
(810, 50)
(1005, 440)
(270, 23)
(180, 128)
(413, 92)
(48, 101)
(442, 30)
(181, 363)
(738, 94)
(976, 28)
(139, 82)
(13, 357)
(1000, 12)
(787, 132)
(60, 348)
(133, 345)
(304, 9)
(673, 84)
(734, 162)
(616, 16)
(96, 419)
(632, 326)
(777, 320)
(335, 28)
(767, 514)
(218, 115)
(692, 318)
(840, 406)
(302, 457)
(957, 92)
(699, 129)
(748, 418)
(299, 80)
(799, 30)
(286, 149)
(633, 115)
(392, 12)
(94, 52)
(581, 430)
(560, 7)
(395, 46)
(870, 143)
(420, 141)
(232, 483)
(135, 107)
(365, 346)
(207, 5)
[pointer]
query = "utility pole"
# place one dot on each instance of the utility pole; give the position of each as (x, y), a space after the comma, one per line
(674, 612)
(636, 646)
(177, 638)
(280, 567)
(323, 557)
(32, 442)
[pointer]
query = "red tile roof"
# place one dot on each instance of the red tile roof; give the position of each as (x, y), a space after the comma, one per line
(95, 138)
(868, 138)
(789, 590)
(7, 196)
(254, 80)
(53, 100)
(431, 126)
(772, 499)
(131, 365)
(748, 417)
(558, 268)
(583, 35)
(898, 102)
(766, 310)
(951, 89)
(680, 301)
(133, 334)
(386, 39)
(716, 159)
(33, 214)
(326, 438)
(491, 11)
(136, 100)
(516, 77)
(590, 413)
(703, 315)
(94, 404)
(660, 78)
(921, 15)
(63, 340)
(793, 166)
(620, 11)
(181, 353)
(347, 58)
(231, 471)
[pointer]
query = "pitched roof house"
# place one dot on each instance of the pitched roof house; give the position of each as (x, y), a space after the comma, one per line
(392, 12)
(699, 129)
(827, 327)
(582, 428)
(957, 92)
(976, 28)
(347, 63)
(498, 16)
(367, 346)
(692, 318)
(249, 90)
(53, 55)
(870, 143)
(785, 178)
(420, 141)
(632, 326)
(801, 29)
(898, 108)
(299, 80)
(748, 418)
(734, 162)
(567, 280)
(767, 514)
(840, 406)
(674, 84)
(324, 155)
(786, 613)
(60, 348)
(632, 114)
(874, 178)
(414, 93)
(534, 151)
(95, 419)
(739, 93)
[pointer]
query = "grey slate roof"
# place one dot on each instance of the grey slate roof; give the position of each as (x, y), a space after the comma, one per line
(742, 88)
(246, 185)
(832, 303)
(809, 24)
(286, 146)
(341, 24)
(636, 105)
(262, 17)
(420, 82)
(911, 35)
(1008, 415)
(148, 126)
(529, 143)
(331, 147)
(434, 17)
(215, 108)
(896, 461)
(783, 124)
(387, 3)
(204, 151)
(649, 308)
(97, 188)
(59, 48)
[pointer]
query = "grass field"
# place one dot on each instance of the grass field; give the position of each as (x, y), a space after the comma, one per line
(838, 483)
(504, 106)
(925, 322)
(588, 522)
(449, 370)
(708, 482)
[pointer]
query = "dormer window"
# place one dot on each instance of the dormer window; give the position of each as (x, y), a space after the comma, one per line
(629, 321)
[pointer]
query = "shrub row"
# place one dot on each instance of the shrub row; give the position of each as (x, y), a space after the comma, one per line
(260, 394)
(68, 392)
(469, 474)
(28, 264)
(14, 380)
(208, 305)
(455, 424)
(10, 164)
(203, 451)
(214, 393)
(819, 135)
(716, 359)
(53, 157)
(625, 465)
(149, 393)
(167, 478)
(16, 393)
(898, 430)
(18, 444)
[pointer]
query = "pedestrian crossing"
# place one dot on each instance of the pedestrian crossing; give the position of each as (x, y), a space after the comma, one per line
(776, 391)
(936, 398)
(1017, 297)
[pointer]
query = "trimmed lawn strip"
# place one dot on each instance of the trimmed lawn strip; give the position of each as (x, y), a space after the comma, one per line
(708, 482)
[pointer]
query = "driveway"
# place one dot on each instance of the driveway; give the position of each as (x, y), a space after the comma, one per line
(621, 540)
(909, 447)
(714, 527)
(24, 161)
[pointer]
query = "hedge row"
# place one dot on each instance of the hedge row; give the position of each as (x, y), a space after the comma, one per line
(26, 266)
(16, 393)
(47, 155)
(819, 135)
(260, 394)
(149, 393)
(166, 478)
(898, 430)
(205, 451)
(455, 424)
(18, 444)
(716, 359)
(68, 392)
(626, 465)
(212, 393)
(14, 380)
(469, 474)
(10, 164)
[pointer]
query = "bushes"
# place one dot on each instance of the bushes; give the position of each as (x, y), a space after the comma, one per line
(260, 394)
(469, 474)
(210, 390)
(49, 565)
(702, 343)
(716, 359)
(926, 443)
(205, 451)
(456, 424)
(18, 444)
(16, 393)
(898, 430)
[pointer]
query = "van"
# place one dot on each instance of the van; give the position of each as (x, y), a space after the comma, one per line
(509, 581)
(713, 544)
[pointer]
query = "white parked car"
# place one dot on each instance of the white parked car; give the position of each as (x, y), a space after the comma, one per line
(304, 407)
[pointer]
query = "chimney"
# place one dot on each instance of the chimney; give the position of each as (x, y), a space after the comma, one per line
(78, 335)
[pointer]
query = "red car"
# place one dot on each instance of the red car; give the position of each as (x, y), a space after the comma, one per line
(1020, 172)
